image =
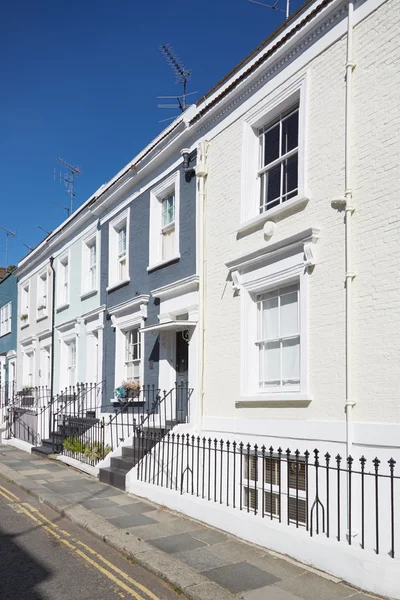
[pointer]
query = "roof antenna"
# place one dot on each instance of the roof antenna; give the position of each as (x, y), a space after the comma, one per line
(8, 233)
(275, 6)
(64, 207)
(30, 248)
(45, 230)
(182, 75)
(68, 178)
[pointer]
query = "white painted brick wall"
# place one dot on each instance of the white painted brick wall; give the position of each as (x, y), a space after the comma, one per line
(376, 245)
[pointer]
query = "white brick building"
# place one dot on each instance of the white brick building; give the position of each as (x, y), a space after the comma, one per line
(314, 70)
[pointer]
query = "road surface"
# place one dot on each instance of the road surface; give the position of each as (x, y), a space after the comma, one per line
(43, 556)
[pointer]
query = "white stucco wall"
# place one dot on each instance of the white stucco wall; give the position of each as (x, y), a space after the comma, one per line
(376, 347)
(82, 314)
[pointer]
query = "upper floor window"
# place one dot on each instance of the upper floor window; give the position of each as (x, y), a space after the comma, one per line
(122, 253)
(89, 264)
(132, 355)
(273, 173)
(63, 281)
(42, 295)
(5, 319)
(25, 304)
(119, 249)
(168, 227)
(279, 149)
(164, 222)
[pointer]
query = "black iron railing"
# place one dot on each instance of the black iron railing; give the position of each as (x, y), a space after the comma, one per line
(148, 409)
(352, 500)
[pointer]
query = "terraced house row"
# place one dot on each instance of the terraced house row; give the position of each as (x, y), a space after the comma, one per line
(217, 327)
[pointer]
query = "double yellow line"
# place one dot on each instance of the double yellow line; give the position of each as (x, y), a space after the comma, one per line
(123, 581)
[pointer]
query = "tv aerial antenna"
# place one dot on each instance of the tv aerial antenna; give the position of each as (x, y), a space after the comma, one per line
(68, 179)
(67, 208)
(275, 6)
(45, 230)
(8, 234)
(182, 75)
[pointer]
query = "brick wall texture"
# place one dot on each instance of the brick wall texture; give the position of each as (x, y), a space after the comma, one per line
(376, 243)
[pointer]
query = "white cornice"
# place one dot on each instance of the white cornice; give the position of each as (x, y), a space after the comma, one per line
(129, 305)
(67, 325)
(297, 241)
(177, 288)
(93, 313)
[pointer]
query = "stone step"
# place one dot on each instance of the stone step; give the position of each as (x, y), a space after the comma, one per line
(44, 450)
(113, 476)
(125, 463)
(134, 452)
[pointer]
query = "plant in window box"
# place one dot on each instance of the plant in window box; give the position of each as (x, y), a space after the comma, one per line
(41, 307)
(127, 390)
(24, 317)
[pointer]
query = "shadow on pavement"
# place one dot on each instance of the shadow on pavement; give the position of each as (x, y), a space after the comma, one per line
(20, 572)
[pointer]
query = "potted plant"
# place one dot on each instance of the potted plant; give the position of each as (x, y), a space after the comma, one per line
(127, 390)
(41, 307)
(24, 317)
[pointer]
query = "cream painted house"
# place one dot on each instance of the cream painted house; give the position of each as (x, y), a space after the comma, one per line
(279, 192)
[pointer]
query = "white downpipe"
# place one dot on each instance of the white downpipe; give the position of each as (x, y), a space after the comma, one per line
(349, 209)
(201, 175)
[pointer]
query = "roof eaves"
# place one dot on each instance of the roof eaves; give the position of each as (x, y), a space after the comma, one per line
(309, 17)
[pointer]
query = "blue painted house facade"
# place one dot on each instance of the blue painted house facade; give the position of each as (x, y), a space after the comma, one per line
(149, 283)
(8, 330)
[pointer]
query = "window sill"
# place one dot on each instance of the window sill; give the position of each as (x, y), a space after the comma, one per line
(274, 214)
(295, 399)
(62, 307)
(89, 294)
(24, 325)
(42, 318)
(163, 263)
(117, 285)
(4, 334)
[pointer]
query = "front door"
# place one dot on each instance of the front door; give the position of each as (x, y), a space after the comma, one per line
(182, 373)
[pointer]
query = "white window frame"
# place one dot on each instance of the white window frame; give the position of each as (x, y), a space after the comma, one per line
(63, 284)
(42, 299)
(89, 288)
(25, 303)
(250, 375)
(122, 220)
(5, 321)
(264, 113)
(264, 170)
(69, 367)
(29, 368)
(127, 316)
(272, 266)
(278, 292)
(138, 361)
(170, 185)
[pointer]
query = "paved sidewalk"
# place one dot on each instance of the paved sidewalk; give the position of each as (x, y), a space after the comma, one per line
(203, 562)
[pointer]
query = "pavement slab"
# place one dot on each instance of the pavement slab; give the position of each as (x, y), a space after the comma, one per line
(241, 577)
(177, 543)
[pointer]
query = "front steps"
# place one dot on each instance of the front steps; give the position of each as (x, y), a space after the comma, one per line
(70, 427)
(115, 474)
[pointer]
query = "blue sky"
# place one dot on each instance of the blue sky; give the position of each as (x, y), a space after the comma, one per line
(80, 80)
